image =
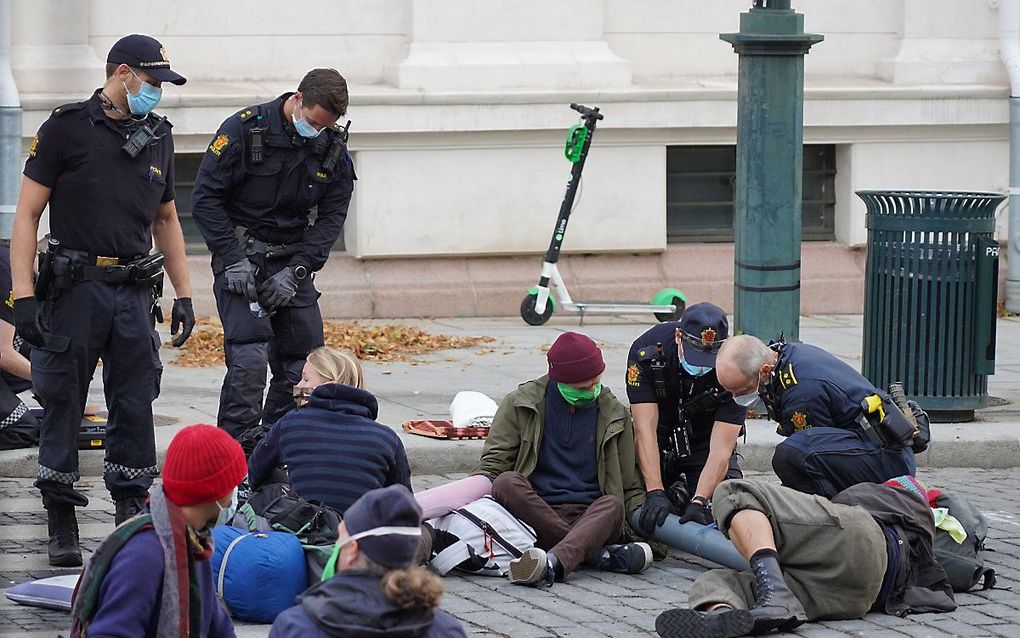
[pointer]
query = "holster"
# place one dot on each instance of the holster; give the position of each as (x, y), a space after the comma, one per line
(882, 422)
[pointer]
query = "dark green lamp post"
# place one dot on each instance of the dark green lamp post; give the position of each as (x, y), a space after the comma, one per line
(770, 136)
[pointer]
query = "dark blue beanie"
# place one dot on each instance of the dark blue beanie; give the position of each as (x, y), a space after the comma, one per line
(392, 506)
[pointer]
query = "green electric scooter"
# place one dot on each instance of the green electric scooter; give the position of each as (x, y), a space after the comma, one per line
(538, 305)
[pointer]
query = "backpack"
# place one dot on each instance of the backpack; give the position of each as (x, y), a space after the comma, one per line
(962, 562)
(257, 574)
(276, 507)
(479, 538)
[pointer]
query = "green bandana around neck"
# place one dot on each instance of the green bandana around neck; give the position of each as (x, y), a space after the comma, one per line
(576, 397)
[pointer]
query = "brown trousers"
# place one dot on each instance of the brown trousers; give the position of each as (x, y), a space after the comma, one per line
(572, 532)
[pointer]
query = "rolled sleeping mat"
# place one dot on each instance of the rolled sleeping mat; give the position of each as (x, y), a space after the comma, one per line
(704, 541)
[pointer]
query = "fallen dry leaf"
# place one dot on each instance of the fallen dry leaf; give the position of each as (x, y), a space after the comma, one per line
(370, 342)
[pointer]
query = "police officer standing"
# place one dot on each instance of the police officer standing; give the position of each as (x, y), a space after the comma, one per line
(270, 199)
(105, 168)
(686, 425)
(841, 430)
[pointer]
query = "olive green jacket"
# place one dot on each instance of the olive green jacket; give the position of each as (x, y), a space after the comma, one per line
(516, 438)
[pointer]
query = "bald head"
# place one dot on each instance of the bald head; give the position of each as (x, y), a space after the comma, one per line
(740, 363)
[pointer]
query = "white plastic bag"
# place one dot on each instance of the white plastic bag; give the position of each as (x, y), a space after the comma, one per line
(472, 409)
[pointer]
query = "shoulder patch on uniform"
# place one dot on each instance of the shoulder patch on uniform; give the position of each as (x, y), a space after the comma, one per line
(799, 421)
(35, 144)
(219, 144)
(786, 376)
(10, 300)
(633, 375)
(64, 109)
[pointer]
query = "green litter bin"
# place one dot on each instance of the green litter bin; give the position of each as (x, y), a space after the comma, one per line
(930, 297)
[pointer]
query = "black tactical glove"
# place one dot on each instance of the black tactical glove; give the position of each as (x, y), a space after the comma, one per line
(923, 436)
(241, 279)
(277, 291)
(654, 511)
(182, 316)
(697, 512)
(27, 323)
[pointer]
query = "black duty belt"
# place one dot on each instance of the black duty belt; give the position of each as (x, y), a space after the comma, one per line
(271, 251)
(139, 269)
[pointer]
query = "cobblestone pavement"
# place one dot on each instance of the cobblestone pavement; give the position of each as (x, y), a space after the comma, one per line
(591, 604)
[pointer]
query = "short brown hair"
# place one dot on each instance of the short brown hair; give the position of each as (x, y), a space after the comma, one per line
(325, 88)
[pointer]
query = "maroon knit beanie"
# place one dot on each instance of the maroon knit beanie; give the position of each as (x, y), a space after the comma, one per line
(574, 357)
(203, 464)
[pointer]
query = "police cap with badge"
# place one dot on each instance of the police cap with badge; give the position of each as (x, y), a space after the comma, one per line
(146, 53)
(703, 329)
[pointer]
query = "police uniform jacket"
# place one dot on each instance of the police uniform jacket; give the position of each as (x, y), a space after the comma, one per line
(103, 201)
(680, 385)
(812, 388)
(273, 198)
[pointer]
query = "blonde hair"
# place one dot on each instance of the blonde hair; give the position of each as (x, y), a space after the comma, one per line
(338, 365)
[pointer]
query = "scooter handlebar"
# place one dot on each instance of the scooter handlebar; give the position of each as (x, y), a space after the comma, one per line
(587, 112)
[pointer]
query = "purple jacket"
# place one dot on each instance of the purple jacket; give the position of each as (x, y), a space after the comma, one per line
(130, 593)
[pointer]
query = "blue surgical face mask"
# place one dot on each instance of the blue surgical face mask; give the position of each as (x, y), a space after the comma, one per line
(695, 371)
(227, 513)
(146, 99)
(302, 126)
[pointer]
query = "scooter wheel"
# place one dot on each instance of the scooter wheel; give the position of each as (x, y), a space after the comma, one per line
(528, 313)
(679, 304)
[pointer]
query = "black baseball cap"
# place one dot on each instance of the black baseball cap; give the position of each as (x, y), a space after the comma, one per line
(146, 53)
(703, 328)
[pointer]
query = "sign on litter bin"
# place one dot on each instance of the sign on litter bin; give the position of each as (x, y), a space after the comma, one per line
(930, 296)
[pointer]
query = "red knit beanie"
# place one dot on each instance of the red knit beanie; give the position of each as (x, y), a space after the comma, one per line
(203, 464)
(574, 357)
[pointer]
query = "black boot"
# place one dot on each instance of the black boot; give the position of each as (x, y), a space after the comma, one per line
(775, 608)
(127, 508)
(63, 526)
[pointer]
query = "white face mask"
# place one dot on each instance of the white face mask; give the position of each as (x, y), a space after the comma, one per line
(746, 400)
(227, 513)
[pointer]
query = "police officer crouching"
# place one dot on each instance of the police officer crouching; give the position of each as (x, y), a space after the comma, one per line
(105, 167)
(841, 430)
(267, 169)
(686, 425)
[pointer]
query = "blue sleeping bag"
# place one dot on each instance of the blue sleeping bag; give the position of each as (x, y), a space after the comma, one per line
(257, 574)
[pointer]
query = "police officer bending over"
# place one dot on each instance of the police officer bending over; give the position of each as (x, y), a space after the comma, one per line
(841, 430)
(105, 167)
(686, 425)
(268, 168)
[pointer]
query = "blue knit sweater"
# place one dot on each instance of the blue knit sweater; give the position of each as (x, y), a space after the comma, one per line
(333, 448)
(567, 469)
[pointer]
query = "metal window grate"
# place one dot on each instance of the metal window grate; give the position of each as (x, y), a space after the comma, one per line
(699, 193)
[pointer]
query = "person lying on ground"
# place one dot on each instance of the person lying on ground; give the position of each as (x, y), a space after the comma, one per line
(371, 586)
(333, 448)
(143, 579)
(560, 454)
(870, 549)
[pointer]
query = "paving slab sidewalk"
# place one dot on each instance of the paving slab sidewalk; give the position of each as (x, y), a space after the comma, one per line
(424, 386)
(590, 603)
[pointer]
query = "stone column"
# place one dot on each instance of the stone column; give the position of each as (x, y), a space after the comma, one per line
(50, 48)
(465, 45)
(946, 42)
